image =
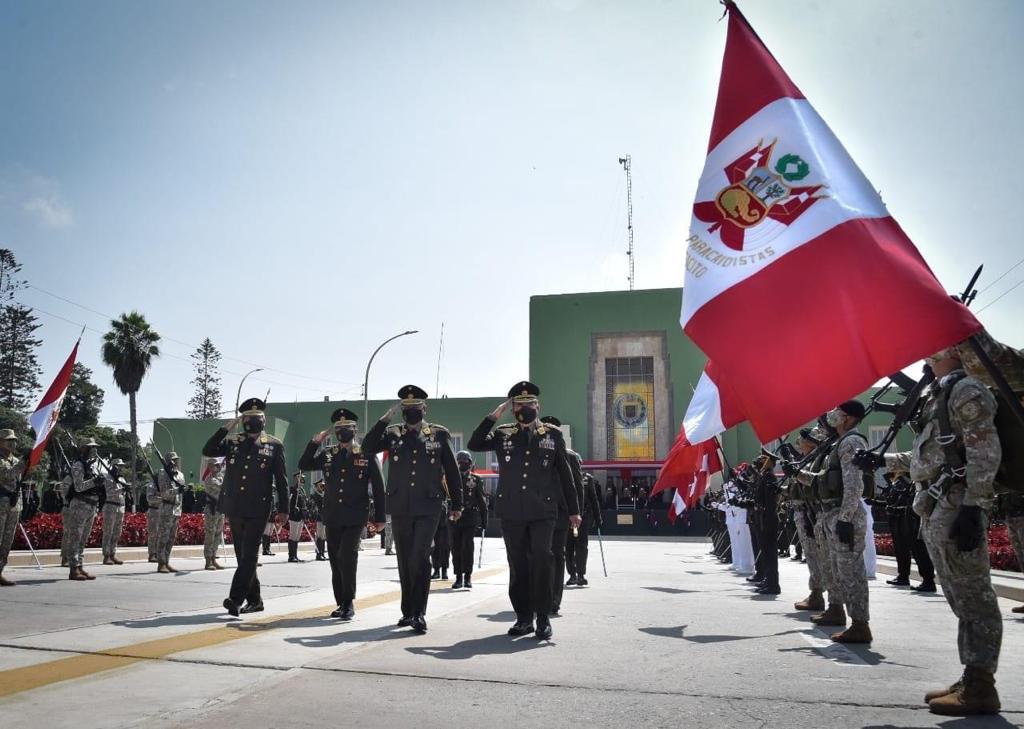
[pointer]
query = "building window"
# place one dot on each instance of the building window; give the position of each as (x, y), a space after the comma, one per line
(456, 441)
(629, 408)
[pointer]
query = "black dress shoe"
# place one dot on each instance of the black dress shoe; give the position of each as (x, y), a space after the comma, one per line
(768, 590)
(404, 622)
(419, 624)
(348, 612)
(522, 627)
(755, 578)
(435, 575)
(925, 587)
(898, 581)
(571, 581)
(252, 608)
(555, 612)
(444, 573)
(231, 606)
(582, 581)
(543, 628)
(457, 585)
(336, 613)
(468, 582)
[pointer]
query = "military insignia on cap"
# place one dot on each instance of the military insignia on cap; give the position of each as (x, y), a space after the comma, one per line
(524, 392)
(343, 416)
(252, 406)
(412, 395)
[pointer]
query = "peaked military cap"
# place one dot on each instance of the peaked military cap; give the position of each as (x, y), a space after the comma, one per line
(551, 420)
(7, 434)
(854, 408)
(117, 462)
(172, 456)
(412, 395)
(344, 416)
(252, 406)
(524, 392)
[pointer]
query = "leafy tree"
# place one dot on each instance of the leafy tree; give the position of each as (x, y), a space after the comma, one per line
(205, 402)
(83, 401)
(19, 368)
(128, 349)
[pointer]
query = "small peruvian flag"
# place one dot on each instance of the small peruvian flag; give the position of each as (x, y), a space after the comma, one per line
(801, 288)
(688, 468)
(45, 417)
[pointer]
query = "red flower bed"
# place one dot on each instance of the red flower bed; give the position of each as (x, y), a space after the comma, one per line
(1000, 550)
(45, 531)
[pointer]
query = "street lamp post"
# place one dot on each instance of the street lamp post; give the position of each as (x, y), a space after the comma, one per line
(238, 396)
(366, 380)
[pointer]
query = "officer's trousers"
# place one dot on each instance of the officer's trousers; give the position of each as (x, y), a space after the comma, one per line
(246, 535)
(558, 553)
(413, 537)
(906, 543)
(442, 549)
(577, 548)
(343, 552)
(530, 562)
(461, 535)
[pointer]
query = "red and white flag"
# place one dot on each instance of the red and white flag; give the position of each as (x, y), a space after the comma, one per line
(686, 497)
(48, 411)
(800, 287)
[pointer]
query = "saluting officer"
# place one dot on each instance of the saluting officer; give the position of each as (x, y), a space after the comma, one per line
(422, 472)
(474, 516)
(255, 470)
(349, 474)
(532, 468)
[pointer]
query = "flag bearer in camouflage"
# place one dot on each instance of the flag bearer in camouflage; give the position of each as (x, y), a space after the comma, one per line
(11, 468)
(171, 486)
(152, 518)
(213, 517)
(113, 511)
(83, 502)
(954, 461)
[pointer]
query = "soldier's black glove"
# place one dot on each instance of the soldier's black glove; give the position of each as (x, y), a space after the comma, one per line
(844, 530)
(968, 528)
(868, 461)
(789, 468)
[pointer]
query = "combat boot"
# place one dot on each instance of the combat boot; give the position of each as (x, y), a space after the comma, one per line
(81, 571)
(266, 546)
(169, 568)
(944, 691)
(977, 695)
(858, 632)
(814, 601)
(163, 569)
(833, 615)
(444, 573)
(107, 559)
(115, 560)
(216, 565)
(209, 564)
(4, 582)
(76, 575)
(468, 582)
(320, 556)
(293, 551)
(457, 585)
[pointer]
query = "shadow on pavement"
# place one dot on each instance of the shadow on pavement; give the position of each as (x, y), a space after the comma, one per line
(491, 645)
(841, 653)
(670, 590)
(679, 630)
(506, 616)
(168, 620)
(342, 636)
(995, 722)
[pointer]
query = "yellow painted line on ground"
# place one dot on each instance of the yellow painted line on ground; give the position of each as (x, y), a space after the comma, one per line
(17, 680)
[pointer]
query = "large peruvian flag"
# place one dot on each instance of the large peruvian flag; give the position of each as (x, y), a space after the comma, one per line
(800, 287)
(45, 417)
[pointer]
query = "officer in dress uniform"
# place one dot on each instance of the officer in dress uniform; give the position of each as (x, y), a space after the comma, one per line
(12, 466)
(317, 499)
(577, 547)
(532, 469)
(440, 553)
(560, 536)
(254, 472)
(296, 516)
(350, 473)
(422, 472)
(474, 517)
(113, 511)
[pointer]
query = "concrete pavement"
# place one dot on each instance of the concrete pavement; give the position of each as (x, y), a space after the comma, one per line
(671, 637)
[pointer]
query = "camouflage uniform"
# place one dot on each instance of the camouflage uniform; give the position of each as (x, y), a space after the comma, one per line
(11, 468)
(965, 576)
(152, 518)
(213, 517)
(170, 512)
(849, 581)
(113, 513)
(813, 557)
(84, 496)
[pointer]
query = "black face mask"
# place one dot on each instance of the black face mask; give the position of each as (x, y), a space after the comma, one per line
(465, 467)
(345, 435)
(526, 415)
(253, 425)
(412, 416)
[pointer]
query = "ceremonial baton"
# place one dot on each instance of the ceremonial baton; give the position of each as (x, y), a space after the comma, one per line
(600, 544)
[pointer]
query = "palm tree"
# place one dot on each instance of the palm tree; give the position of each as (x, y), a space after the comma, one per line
(129, 348)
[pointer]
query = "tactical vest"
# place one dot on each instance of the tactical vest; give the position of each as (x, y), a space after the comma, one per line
(832, 481)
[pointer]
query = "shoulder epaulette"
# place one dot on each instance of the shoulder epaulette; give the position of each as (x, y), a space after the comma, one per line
(551, 426)
(267, 438)
(395, 429)
(333, 450)
(509, 427)
(439, 428)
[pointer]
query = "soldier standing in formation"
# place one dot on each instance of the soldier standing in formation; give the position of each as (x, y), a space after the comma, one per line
(317, 499)
(254, 471)
(559, 536)
(905, 526)
(577, 548)
(113, 511)
(474, 518)
(213, 517)
(296, 515)
(954, 461)
(422, 472)
(12, 467)
(441, 552)
(170, 484)
(152, 518)
(83, 502)
(802, 497)
(532, 468)
(350, 473)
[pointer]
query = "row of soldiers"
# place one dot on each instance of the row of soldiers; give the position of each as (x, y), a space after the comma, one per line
(940, 495)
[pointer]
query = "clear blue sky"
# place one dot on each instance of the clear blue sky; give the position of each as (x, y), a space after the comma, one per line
(299, 181)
